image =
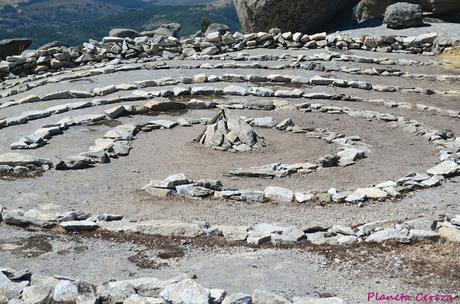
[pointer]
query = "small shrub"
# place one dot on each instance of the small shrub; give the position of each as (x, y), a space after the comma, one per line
(204, 23)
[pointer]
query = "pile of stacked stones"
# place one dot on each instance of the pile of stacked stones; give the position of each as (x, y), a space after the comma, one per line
(135, 46)
(232, 134)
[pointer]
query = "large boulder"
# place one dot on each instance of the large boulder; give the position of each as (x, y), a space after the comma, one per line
(15, 46)
(368, 9)
(123, 33)
(403, 15)
(166, 30)
(53, 44)
(217, 27)
(290, 15)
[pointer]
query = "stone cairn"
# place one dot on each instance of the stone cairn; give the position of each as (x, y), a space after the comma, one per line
(234, 135)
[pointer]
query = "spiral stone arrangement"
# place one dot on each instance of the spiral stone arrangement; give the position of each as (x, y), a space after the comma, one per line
(161, 175)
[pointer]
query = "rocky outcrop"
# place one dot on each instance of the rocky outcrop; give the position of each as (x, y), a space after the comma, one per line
(368, 9)
(403, 15)
(16, 46)
(289, 15)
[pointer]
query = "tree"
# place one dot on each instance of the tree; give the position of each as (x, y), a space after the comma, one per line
(204, 23)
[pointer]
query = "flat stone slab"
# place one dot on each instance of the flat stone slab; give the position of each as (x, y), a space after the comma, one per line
(17, 159)
(79, 225)
(446, 168)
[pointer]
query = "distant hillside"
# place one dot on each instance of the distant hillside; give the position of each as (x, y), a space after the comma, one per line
(76, 21)
(55, 13)
(125, 3)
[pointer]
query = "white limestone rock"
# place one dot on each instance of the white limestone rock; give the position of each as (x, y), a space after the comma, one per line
(446, 168)
(279, 194)
(185, 292)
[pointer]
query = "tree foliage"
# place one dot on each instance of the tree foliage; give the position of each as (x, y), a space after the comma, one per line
(204, 23)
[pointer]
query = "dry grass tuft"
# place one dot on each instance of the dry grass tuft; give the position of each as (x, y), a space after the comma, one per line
(452, 59)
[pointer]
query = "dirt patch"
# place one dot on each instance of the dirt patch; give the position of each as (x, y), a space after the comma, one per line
(435, 263)
(108, 123)
(171, 253)
(168, 247)
(288, 85)
(15, 176)
(174, 113)
(80, 249)
(32, 247)
(425, 265)
(187, 98)
(155, 259)
(84, 80)
(145, 261)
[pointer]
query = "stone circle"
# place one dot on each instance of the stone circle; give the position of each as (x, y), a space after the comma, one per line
(190, 170)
